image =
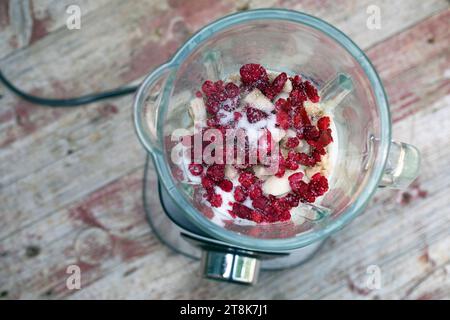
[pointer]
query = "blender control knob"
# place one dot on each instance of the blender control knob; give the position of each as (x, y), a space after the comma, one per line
(230, 267)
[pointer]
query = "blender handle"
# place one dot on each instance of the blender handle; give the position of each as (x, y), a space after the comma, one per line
(402, 166)
(151, 95)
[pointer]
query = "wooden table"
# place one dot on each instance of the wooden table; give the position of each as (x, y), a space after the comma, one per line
(66, 175)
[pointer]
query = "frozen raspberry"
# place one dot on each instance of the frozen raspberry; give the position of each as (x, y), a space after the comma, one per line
(199, 94)
(282, 119)
(255, 191)
(246, 179)
(215, 200)
(207, 183)
(226, 185)
(212, 106)
(307, 196)
(276, 86)
(256, 216)
(242, 211)
(297, 97)
(216, 172)
(255, 115)
(280, 104)
(281, 171)
(240, 194)
(260, 203)
(301, 118)
(318, 185)
(308, 133)
(325, 138)
(296, 81)
(293, 156)
(237, 116)
(231, 90)
(292, 199)
(323, 123)
(306, 160)
(291, 165)
(311, 92)
(295, 180)
(208, 88)
(252, 74)
(195, 169)
(292, 142)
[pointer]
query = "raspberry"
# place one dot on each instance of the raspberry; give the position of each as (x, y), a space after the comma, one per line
(252, 74)
(260, 203)
(207, 183)
(283, 119)
(297, 97)
(256, 216)
(240, 194)
(208, 88)
(241, 211)
(292, 142)
(212, 106)
(311, 92)
(254, 115)
(307, 196)
(295, 179)
(237, 116)
(301, 118)
(291, 165)
(280, 104)
(296, 81)
(231, 90)
(323, 123)
(276, 87)
(195, 169)
(306, 160)
(325, 138)
(216, 172)
(255, 191)
(212, 122)
(247, 179)
(292, 199)
(309, 133)
(293, 156)
(318, 185)
(215, 200)
(226, 185)
(199, 94)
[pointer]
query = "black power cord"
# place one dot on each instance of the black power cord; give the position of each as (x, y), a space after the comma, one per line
(68, 102)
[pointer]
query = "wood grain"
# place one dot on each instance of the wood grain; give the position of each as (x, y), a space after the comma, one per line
(72, 177)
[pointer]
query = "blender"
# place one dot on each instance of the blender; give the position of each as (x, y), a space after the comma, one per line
(366, 157)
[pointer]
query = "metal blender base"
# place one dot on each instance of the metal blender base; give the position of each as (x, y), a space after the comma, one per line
(159, 210)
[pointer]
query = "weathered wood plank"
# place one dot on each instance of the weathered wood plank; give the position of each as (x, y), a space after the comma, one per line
(25, 22)
(406, 234)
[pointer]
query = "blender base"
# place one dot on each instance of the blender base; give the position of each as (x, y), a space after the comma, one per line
(159, 210)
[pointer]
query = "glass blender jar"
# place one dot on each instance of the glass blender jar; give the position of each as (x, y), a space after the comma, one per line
(366, 158)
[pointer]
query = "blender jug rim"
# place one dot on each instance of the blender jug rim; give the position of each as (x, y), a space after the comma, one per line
(247, 242)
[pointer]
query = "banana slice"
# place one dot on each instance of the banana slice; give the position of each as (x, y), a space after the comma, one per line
(258, 100)
(277, 134)
(287, 86)
(262, 172)
(279, 186)
(230, 172)
(197, 110)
